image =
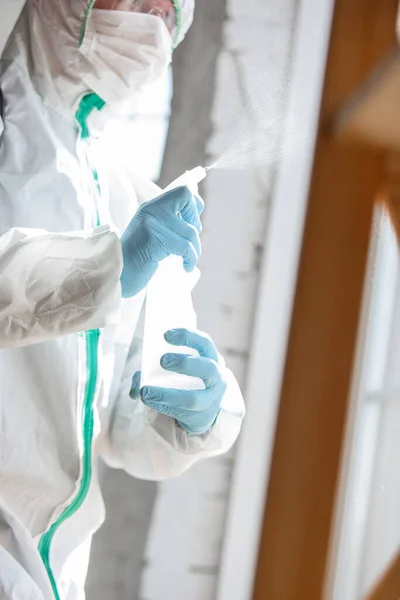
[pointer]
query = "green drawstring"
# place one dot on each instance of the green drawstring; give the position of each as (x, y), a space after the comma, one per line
(178, 9)
(87, 105)
(85, 20)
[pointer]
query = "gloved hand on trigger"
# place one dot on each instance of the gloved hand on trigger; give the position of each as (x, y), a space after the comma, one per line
(169, 224)
(194, 410)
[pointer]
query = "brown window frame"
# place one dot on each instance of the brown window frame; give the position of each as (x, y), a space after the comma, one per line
(298, 527)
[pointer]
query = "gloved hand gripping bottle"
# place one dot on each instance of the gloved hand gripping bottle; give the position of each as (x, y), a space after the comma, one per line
(169, 305)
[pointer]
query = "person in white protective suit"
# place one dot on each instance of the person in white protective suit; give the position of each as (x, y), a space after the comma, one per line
(69, 343)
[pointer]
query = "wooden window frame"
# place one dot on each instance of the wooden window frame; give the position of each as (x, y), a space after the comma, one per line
(297, 532)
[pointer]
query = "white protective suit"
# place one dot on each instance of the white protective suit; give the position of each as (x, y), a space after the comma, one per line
(64, 396)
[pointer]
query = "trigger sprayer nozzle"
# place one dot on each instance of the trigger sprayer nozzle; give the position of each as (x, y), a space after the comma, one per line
(191, 178)
(197, 174)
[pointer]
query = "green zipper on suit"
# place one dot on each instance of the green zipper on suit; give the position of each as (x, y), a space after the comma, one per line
(87, 105)
(92, 342)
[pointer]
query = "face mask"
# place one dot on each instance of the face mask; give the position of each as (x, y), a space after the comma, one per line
(164, 9)
(125, 51)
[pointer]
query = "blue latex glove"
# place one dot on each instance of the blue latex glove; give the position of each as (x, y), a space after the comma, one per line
(169, 224)
(197, 410)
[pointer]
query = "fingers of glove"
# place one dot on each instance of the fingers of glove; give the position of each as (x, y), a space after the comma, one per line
(189, 211)
(174, 244)
(168, 234)
(199, 203)
(190, 257)
(193, 339)
(169, 411)
(135, 387)
(185, 231)
(186, 400)
(182, 201)
(194, 366)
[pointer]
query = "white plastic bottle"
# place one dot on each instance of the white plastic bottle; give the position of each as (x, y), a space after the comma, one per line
(169, 305)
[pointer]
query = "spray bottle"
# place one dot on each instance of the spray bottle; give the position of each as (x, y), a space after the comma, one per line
(169, 305)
